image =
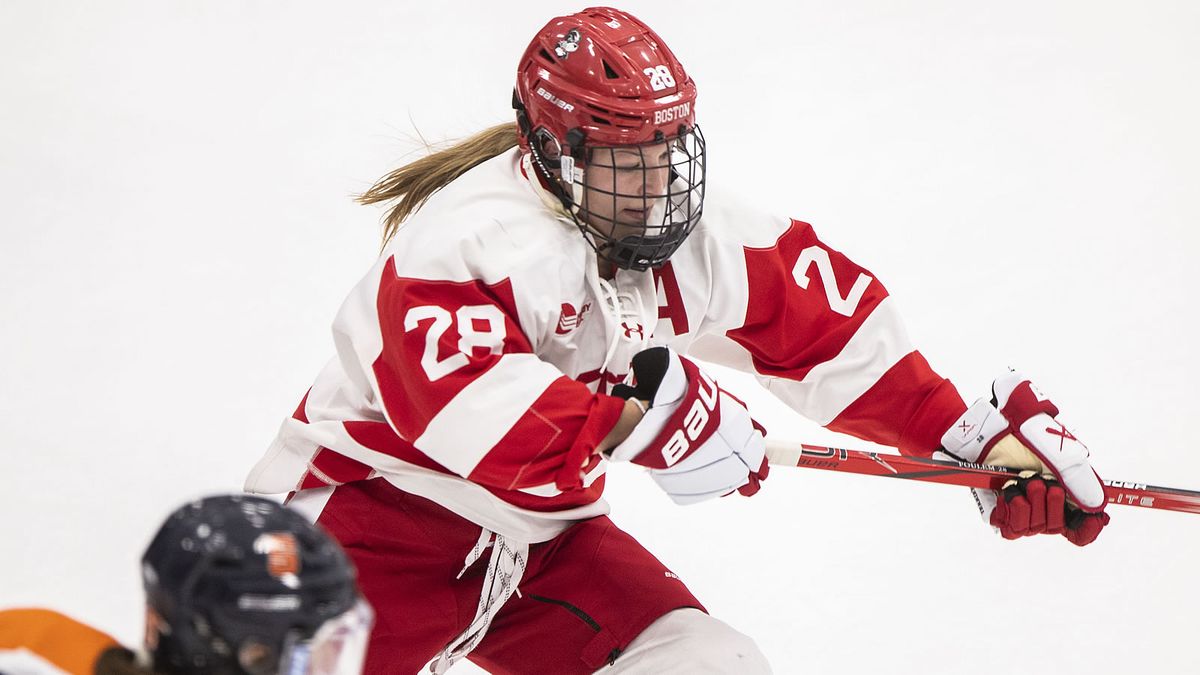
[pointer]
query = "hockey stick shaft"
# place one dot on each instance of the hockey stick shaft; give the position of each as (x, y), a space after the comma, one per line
(790, 453)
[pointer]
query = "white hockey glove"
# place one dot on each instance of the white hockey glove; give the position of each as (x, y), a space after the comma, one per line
(697, 439)
(1058, 492)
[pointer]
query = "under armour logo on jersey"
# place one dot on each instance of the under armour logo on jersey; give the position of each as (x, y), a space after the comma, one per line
(569, 319)
(630, 330)
(568, 45)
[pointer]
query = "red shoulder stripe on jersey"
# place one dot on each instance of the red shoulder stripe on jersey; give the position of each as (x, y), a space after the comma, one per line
(790, 329)
(438, 336)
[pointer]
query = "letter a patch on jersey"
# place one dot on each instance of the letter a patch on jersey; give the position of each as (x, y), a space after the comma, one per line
(670, 300)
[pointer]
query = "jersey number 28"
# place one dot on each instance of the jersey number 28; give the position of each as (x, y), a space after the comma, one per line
(479, 326)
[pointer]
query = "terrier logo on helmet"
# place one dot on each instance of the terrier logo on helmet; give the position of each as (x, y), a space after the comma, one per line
(568, 44)
(283, 563)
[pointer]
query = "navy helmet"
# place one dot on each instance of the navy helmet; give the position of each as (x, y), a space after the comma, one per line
(240, 584)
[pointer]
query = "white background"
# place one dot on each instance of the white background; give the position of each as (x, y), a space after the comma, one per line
(177, 233)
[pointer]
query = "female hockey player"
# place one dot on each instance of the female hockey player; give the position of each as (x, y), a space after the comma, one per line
(235, 585)
(525, 325)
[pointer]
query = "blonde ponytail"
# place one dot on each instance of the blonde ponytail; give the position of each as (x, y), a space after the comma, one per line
(412, 184)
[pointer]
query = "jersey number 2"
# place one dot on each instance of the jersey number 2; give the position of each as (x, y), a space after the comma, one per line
(468, 319)
(815, 254)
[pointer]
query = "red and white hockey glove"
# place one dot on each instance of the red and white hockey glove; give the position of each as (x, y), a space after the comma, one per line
(697, 439)
(1058, 492)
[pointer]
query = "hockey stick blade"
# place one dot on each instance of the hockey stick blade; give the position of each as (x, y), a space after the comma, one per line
(947, 472)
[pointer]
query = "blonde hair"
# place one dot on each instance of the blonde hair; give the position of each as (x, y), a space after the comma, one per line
(412, 184)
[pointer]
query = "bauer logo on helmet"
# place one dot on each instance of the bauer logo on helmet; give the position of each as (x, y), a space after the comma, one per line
(555, 100)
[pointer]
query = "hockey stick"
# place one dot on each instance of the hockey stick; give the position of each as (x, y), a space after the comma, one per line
(790, 453)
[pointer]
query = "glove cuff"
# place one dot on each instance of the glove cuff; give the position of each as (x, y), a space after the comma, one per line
(662, 378)
(971, 437)
(658, 377)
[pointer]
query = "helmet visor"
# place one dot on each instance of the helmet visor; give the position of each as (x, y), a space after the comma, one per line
(339, 645)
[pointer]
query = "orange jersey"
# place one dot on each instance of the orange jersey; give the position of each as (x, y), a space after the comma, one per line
(44, 641)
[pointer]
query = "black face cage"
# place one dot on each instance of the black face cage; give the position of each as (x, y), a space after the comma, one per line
(635, 204)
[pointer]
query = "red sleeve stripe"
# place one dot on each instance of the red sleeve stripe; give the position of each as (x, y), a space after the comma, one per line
(909, 408)
(481, 413)
(830, 387)
(548, 490)
(539, 446)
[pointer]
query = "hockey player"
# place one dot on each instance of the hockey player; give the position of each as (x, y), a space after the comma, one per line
(526, 324)
(234, 585)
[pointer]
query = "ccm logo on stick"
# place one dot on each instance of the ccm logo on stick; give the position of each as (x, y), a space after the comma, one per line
(694, 422)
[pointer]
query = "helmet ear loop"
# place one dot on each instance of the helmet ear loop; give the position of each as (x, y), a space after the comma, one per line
(573, 174)
(572, 161)
(548, 152)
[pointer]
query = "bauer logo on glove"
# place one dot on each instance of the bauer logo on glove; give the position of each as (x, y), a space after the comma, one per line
(695, 421)
(697, 439)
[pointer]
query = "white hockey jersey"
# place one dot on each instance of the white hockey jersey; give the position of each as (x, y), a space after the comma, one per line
(473, 359)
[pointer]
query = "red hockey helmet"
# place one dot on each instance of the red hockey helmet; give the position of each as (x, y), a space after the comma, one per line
(599, 85)
(607, 74)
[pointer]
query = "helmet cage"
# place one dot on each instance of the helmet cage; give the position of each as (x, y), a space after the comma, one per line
(636, 204)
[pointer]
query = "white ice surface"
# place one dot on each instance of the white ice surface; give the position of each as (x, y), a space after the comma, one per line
(176, 232)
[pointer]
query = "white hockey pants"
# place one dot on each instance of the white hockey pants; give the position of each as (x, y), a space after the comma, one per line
(692, 642)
